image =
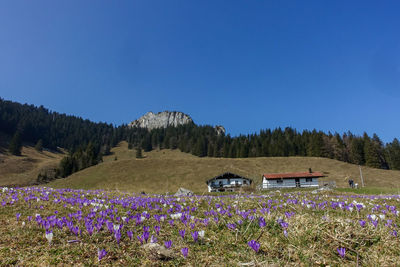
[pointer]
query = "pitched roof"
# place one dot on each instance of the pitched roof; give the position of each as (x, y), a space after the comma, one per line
(293, 175)
(229, 175)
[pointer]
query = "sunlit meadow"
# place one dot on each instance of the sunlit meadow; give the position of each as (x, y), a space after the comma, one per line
(44, 226)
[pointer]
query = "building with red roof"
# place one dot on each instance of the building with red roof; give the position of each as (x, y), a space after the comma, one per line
(291, 180)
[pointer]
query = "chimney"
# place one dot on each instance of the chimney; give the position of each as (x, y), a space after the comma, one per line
(309, 170)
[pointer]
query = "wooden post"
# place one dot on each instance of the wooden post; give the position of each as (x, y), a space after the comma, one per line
(362, 179)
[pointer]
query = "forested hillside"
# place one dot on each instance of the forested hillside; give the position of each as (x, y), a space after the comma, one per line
(87, 141)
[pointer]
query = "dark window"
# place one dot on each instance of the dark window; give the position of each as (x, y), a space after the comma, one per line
(244, 182)
(308, 179)
(280, 181)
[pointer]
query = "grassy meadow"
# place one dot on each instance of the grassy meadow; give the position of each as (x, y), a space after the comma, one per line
(23, 170)
(167, 170)
(98, 217)
(43, 226)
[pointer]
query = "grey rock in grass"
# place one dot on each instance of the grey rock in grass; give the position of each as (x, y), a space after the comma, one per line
(183, 192)
(156, 251)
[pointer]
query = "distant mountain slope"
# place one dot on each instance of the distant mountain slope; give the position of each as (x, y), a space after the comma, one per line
(167, 170)
(23, 170)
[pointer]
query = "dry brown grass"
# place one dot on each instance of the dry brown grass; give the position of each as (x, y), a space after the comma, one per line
(314, 232)
(167, 170)
(23, 170)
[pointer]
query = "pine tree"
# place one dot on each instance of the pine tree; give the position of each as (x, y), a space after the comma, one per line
(146, 143)
(139, 154)
(357, 155)
(372, 158)
(393, 154)
(15, 145)
(39, 145)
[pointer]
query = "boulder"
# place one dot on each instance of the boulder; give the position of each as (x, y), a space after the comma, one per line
(183, 192)
(158, 252)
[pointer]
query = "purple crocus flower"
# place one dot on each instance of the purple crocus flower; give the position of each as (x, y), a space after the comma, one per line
(146, 236)
(18, 215)
(362, 223)
(101, 253)
(182, 233)
(195, 236)
(285, 232)
(117, 236)
(394, 233)
(342, 252)
(130, 234)
(254, 245)
(261, 222)
(157, 229)
(231, 226)
(168, 243)
(185, 252)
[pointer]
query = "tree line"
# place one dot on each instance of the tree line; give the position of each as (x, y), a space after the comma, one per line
(204, 141)
(88, 141)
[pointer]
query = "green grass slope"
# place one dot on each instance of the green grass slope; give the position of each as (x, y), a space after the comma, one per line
(167, 170)
(23, 170)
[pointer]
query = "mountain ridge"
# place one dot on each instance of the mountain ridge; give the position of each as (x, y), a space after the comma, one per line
(162, 119)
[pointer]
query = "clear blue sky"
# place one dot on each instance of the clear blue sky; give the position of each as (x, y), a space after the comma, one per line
(247, 65)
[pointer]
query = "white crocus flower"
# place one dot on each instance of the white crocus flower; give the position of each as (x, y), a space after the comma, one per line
(49, 237)
(201, 233)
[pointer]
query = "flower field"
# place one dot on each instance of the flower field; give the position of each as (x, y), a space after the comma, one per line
(43, 226)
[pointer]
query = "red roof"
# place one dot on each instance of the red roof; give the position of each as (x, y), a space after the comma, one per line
(292, 175)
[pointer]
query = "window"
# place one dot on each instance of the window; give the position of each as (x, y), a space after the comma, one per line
(308, 179)
(244, 182)
(280, 181)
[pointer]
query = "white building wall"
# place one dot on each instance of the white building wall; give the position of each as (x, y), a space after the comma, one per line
(232, 181)
(288, 183)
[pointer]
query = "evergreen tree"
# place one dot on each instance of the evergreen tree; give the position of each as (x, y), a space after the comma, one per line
(372, 158)
(39, 145)
(200, 148)
(15, 146)
(139, 154)
(393, 154)
(357, 155)
(146, 143)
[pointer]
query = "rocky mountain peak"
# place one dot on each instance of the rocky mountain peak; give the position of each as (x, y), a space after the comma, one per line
(161, 120)
(220, 129)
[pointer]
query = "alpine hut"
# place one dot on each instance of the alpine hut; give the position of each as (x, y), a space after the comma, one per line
(227, 182)
(290, 180)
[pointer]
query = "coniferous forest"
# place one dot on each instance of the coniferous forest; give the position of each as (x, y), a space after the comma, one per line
(86, 141)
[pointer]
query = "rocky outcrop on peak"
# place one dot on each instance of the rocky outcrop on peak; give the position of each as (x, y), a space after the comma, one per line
(220, 129)
(161, 120)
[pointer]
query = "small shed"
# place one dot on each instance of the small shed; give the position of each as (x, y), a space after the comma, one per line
(227, 182)
(291, 180)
